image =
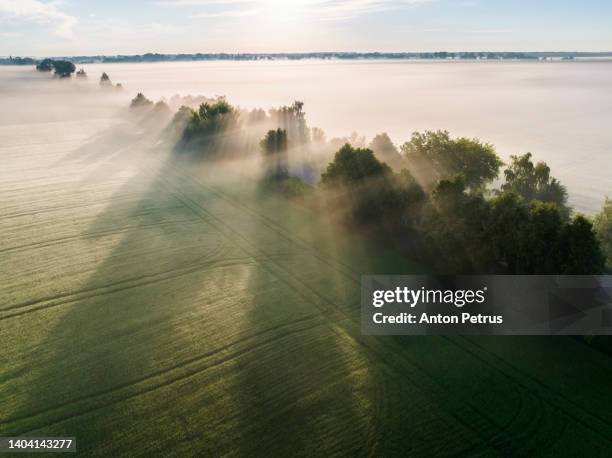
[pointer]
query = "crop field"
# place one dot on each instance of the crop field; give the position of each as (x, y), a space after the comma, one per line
(152, 306)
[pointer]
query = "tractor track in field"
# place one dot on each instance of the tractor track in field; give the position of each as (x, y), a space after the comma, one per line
(338, 327)
(90, 235)
(44, 211)
(138, 282)
(256, 345)
(604, 423)
(501, 429)
(211, 259)
(254, 251)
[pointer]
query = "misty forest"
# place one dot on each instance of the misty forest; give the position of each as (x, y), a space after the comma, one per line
(197, 264)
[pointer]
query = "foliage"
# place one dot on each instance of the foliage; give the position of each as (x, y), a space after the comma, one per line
(208, 123)
(274, 147)
(385, 150)
(373, 193)
(453, 228)
(603, 227)
(508, 234)
(63, 68)
(436, 156)
(578, 250)
(140, 101)
(353, 165)
(292, 118)
(533, 182)
(45, 65)
(105, 80)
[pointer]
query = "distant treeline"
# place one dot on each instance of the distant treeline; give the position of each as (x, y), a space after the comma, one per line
(155, 57)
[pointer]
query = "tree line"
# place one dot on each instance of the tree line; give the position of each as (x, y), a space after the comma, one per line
(431, 198)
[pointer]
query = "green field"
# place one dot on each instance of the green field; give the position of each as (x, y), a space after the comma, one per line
(149, 306)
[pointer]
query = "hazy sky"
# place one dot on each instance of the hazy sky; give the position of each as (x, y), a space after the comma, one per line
(72, 27)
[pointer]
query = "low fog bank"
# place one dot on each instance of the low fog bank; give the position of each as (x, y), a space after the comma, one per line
(401, 193)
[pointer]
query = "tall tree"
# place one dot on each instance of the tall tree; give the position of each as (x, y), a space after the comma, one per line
(534, 182)
(274, 146)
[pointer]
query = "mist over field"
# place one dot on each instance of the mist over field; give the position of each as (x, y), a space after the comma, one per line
(155, 300)
(557, 110)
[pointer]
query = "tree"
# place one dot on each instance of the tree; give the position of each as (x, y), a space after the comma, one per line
(603, 227)
(208, 124)
(140, 101)
(63, 68)
(105, 80)
(535, 238)
(274, 147)
(434, 156)
(385, 150)
(578, 250)
(533, 182)
(46, 65)
(369, 189)
(352, 166)
(453, 228)
(162, 108)
(317, 135)
(292, 118)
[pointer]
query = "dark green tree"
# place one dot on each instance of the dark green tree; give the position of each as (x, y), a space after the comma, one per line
(208, 125)
(274, 147)
(63, 68)
(45, 65)
(453, 226)
(533, 182)
(352, 166)
(370, 191)
(578, 250)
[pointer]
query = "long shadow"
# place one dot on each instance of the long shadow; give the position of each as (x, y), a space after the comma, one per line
(120, 334)
(307, 388)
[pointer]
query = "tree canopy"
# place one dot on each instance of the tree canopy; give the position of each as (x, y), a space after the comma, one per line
(140, 101)
(208, 123)
(385, 150)
(45, 65)
(274, 146)
(435, 156)
(63, 68)
(105, 80)
(533, 181)
(603, 227)
(353, 165)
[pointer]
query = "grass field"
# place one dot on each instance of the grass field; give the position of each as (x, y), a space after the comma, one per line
(155, 307)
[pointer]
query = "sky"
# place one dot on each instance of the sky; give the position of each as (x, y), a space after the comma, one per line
(90, 27)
